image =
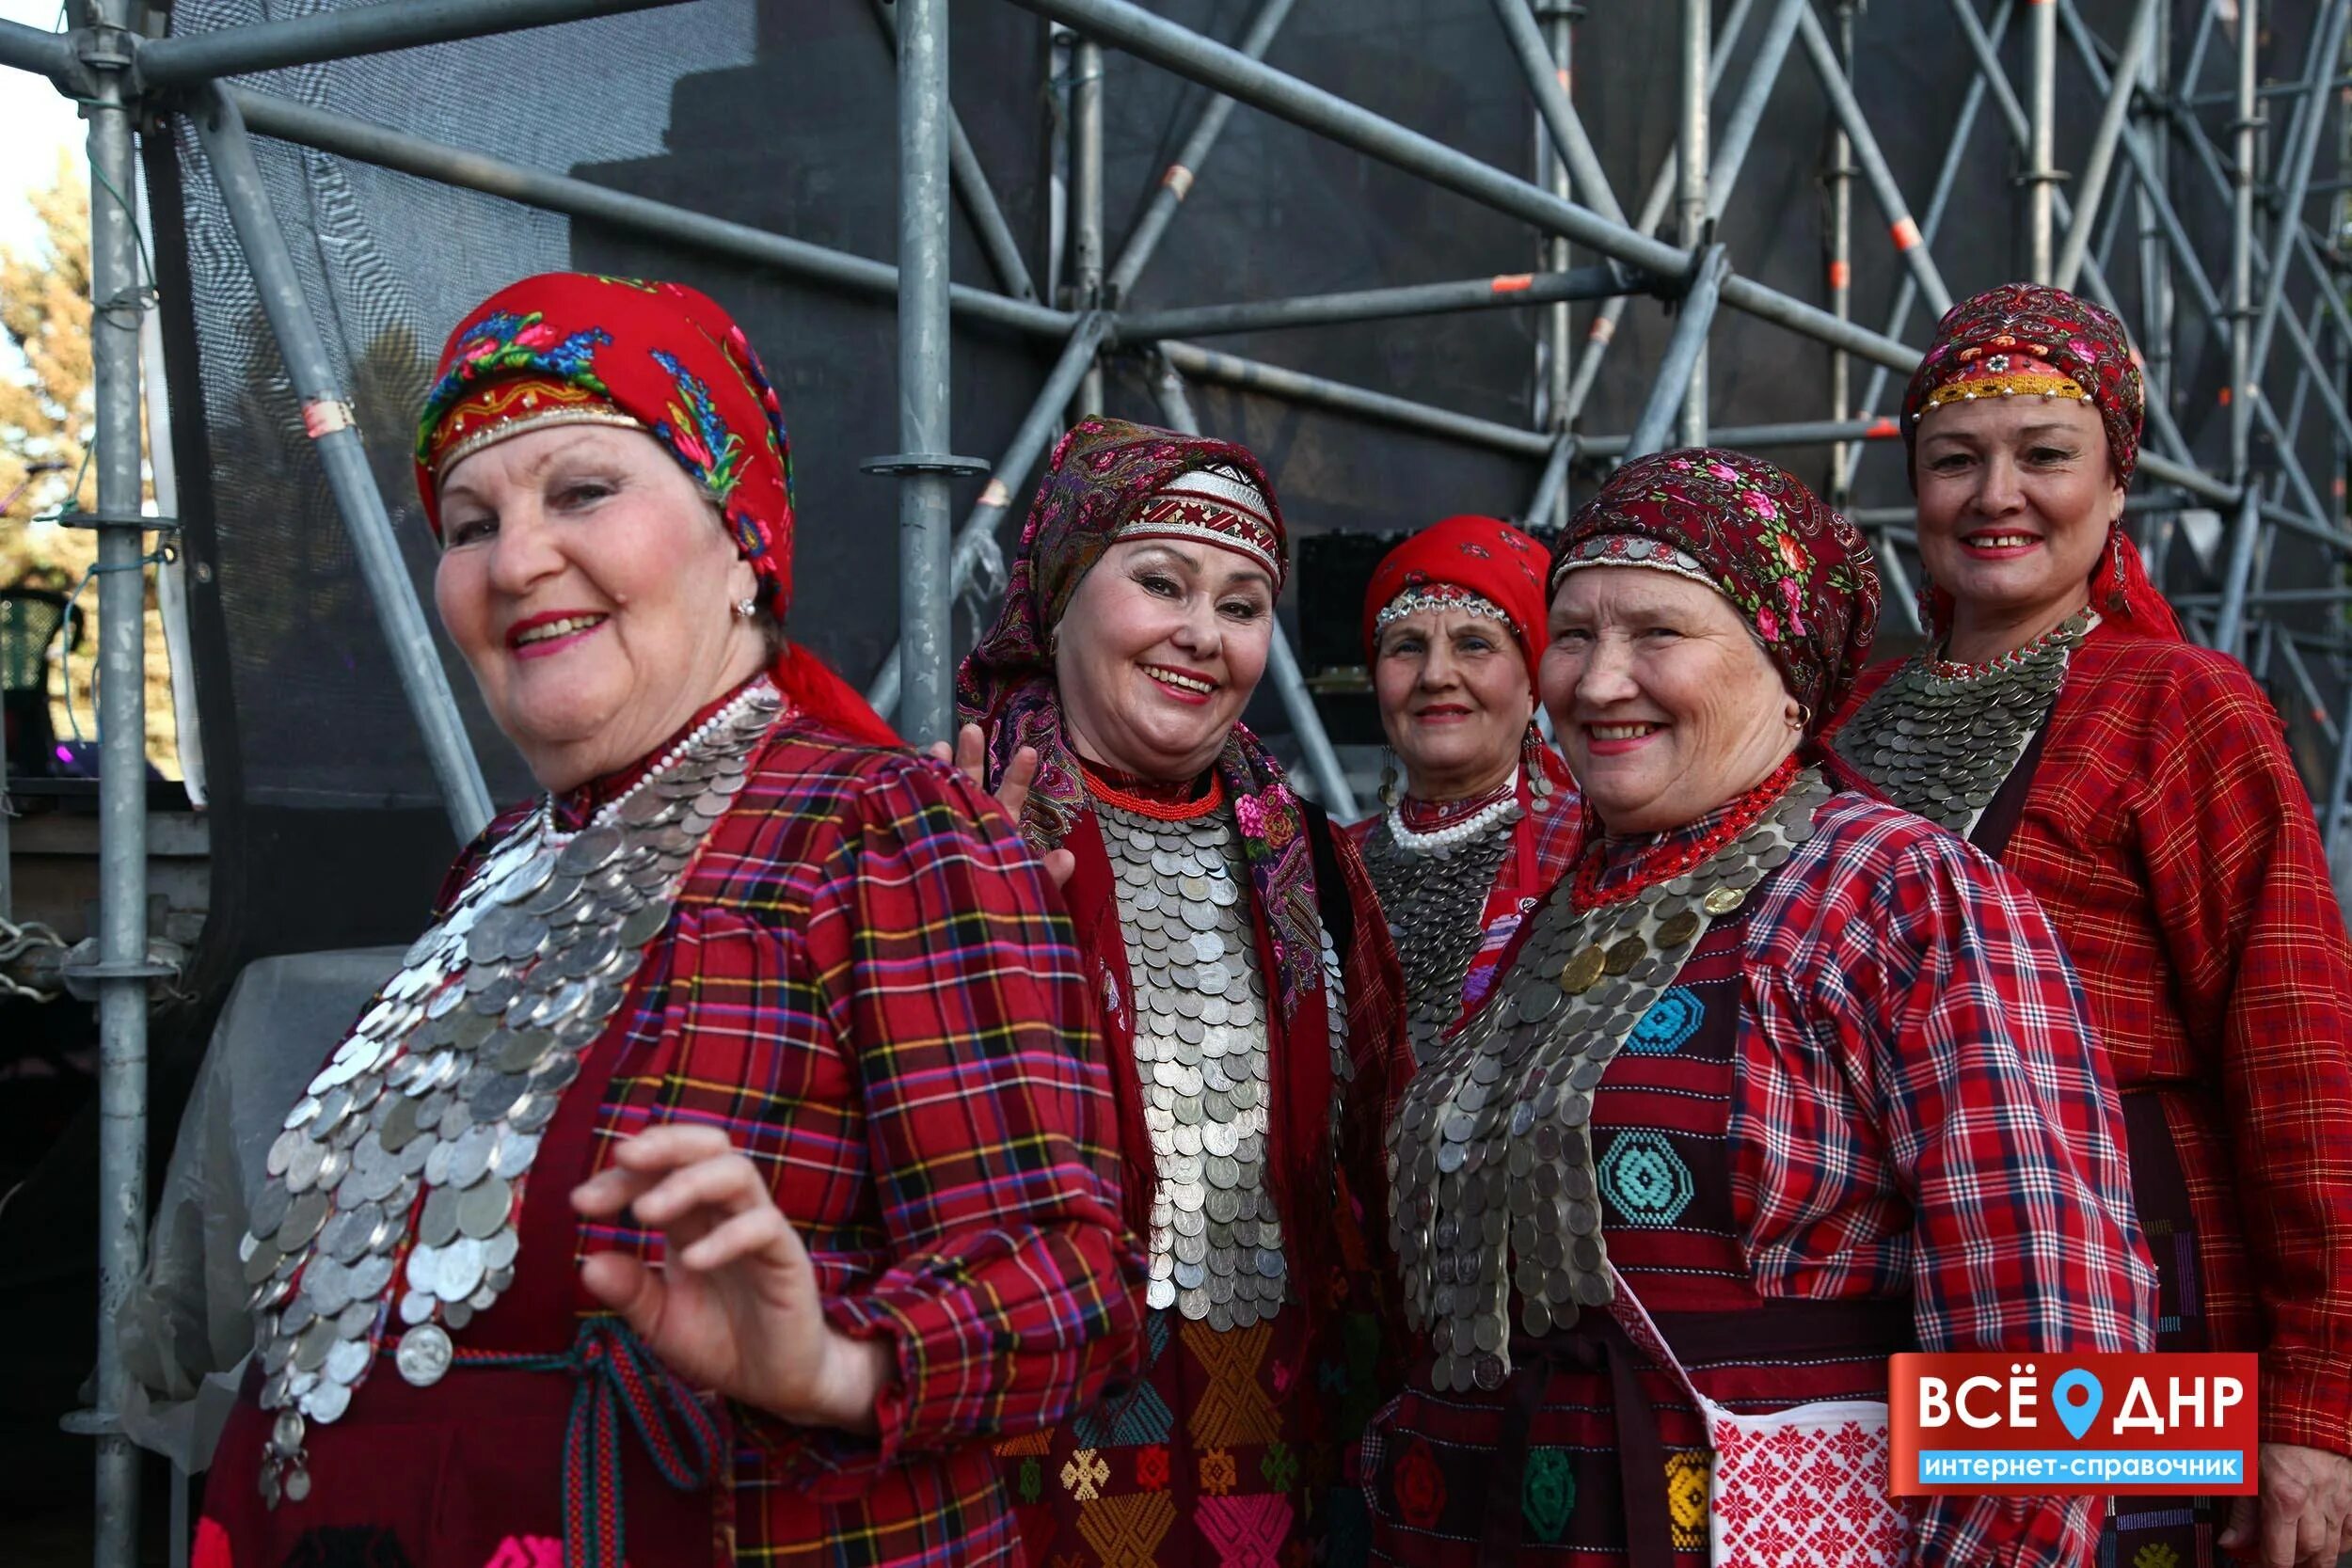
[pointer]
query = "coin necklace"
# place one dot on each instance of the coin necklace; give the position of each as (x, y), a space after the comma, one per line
(1201, 1048)
(1491, 1178)
(1435, 898)
(395, 1187)
(1939, 738)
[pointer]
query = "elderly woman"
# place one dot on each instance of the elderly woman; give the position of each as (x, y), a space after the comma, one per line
(2140, 787)
(726, 1145)
(1778, 1080)
(1454, 625)
(1248, 993)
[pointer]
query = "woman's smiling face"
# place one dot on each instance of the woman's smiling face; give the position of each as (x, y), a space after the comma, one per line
(1157, 655)
(1664, 703)
(590, 586)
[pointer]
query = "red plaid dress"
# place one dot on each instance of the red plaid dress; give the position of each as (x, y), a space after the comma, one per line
(868, 986)
(2170, 839)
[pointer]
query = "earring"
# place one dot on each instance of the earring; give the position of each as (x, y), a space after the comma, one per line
(1053, 643)
(1532, 764)
(1388, 777)
(746, 608)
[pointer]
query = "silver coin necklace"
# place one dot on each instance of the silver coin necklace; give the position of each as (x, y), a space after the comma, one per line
(1491, 1176)
(1940, 738)
(393, 1192)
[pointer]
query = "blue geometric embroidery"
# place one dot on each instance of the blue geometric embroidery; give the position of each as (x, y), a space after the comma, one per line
(1139, 1417)
(1665, 1026)
(1645, 1179)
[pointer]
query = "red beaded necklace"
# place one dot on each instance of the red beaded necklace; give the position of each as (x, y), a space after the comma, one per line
(1663, 862)
(1148, 797)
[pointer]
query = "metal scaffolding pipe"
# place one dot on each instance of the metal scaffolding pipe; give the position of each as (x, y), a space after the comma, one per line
(972, 186)
(1685, 352)
(1508, 292)
(431, 159)
(2102, 142)
(1188, 55)
(2241, 392)
(2042, 143)
(117, 303)
(340, 35)
(1603, 330)
(1553, 485)
(1085, 197)
(1901, 229)
(1231, 370)
(1758, 438)
(1840, 281)
(975, 541)
(927, 710)
(44, 53)
(1555, 337)
(1548, 83)
(1747, 114)
(1176, 181)
(1290, 682)
(2327, 45)
(326, 413)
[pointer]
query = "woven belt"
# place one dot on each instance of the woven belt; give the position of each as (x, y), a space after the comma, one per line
(1640, 1454)
(612, 1367)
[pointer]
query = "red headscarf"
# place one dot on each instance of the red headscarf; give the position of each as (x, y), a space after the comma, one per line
(1485, 557)
(2031, 339)
(569, 348)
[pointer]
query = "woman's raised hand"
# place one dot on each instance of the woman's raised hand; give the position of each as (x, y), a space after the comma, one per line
(1013, 793)
(735, 1307)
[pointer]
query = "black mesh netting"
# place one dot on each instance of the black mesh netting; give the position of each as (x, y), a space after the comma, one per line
(781, 116)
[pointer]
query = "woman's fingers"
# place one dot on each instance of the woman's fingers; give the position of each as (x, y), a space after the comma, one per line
(757, 1234)
(626, 1285)
(1060, 864)
(972, 754)
(729, 1184)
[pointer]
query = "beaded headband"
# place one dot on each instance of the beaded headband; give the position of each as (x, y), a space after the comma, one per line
(499, 410)
(1216, 505)
(1631, 550)
(1437, 595)
(2003, 375)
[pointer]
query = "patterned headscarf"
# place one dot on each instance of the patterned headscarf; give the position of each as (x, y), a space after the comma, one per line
(1481, 564)
(1801, 575)
(2031, 340)
(2028, 340)
(1103, 476)
(570, 348)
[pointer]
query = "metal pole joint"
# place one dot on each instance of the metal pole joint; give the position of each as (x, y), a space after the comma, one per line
(924, 462)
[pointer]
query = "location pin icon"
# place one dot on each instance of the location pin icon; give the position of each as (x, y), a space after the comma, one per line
(2078, 1397)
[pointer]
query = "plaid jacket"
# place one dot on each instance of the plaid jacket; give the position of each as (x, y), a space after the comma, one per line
(2170, 839)
(870, 987)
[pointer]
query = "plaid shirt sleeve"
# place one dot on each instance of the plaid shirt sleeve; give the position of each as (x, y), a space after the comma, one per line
(1936, 1119)
(2240, 886)
(1012, 1293)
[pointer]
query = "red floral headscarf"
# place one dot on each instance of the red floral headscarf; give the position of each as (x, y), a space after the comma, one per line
(2031, 339)
(1485, 557)
(1798, 572)
(571, 348)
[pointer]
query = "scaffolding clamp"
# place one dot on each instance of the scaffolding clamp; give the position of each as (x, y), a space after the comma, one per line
(899, 464)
